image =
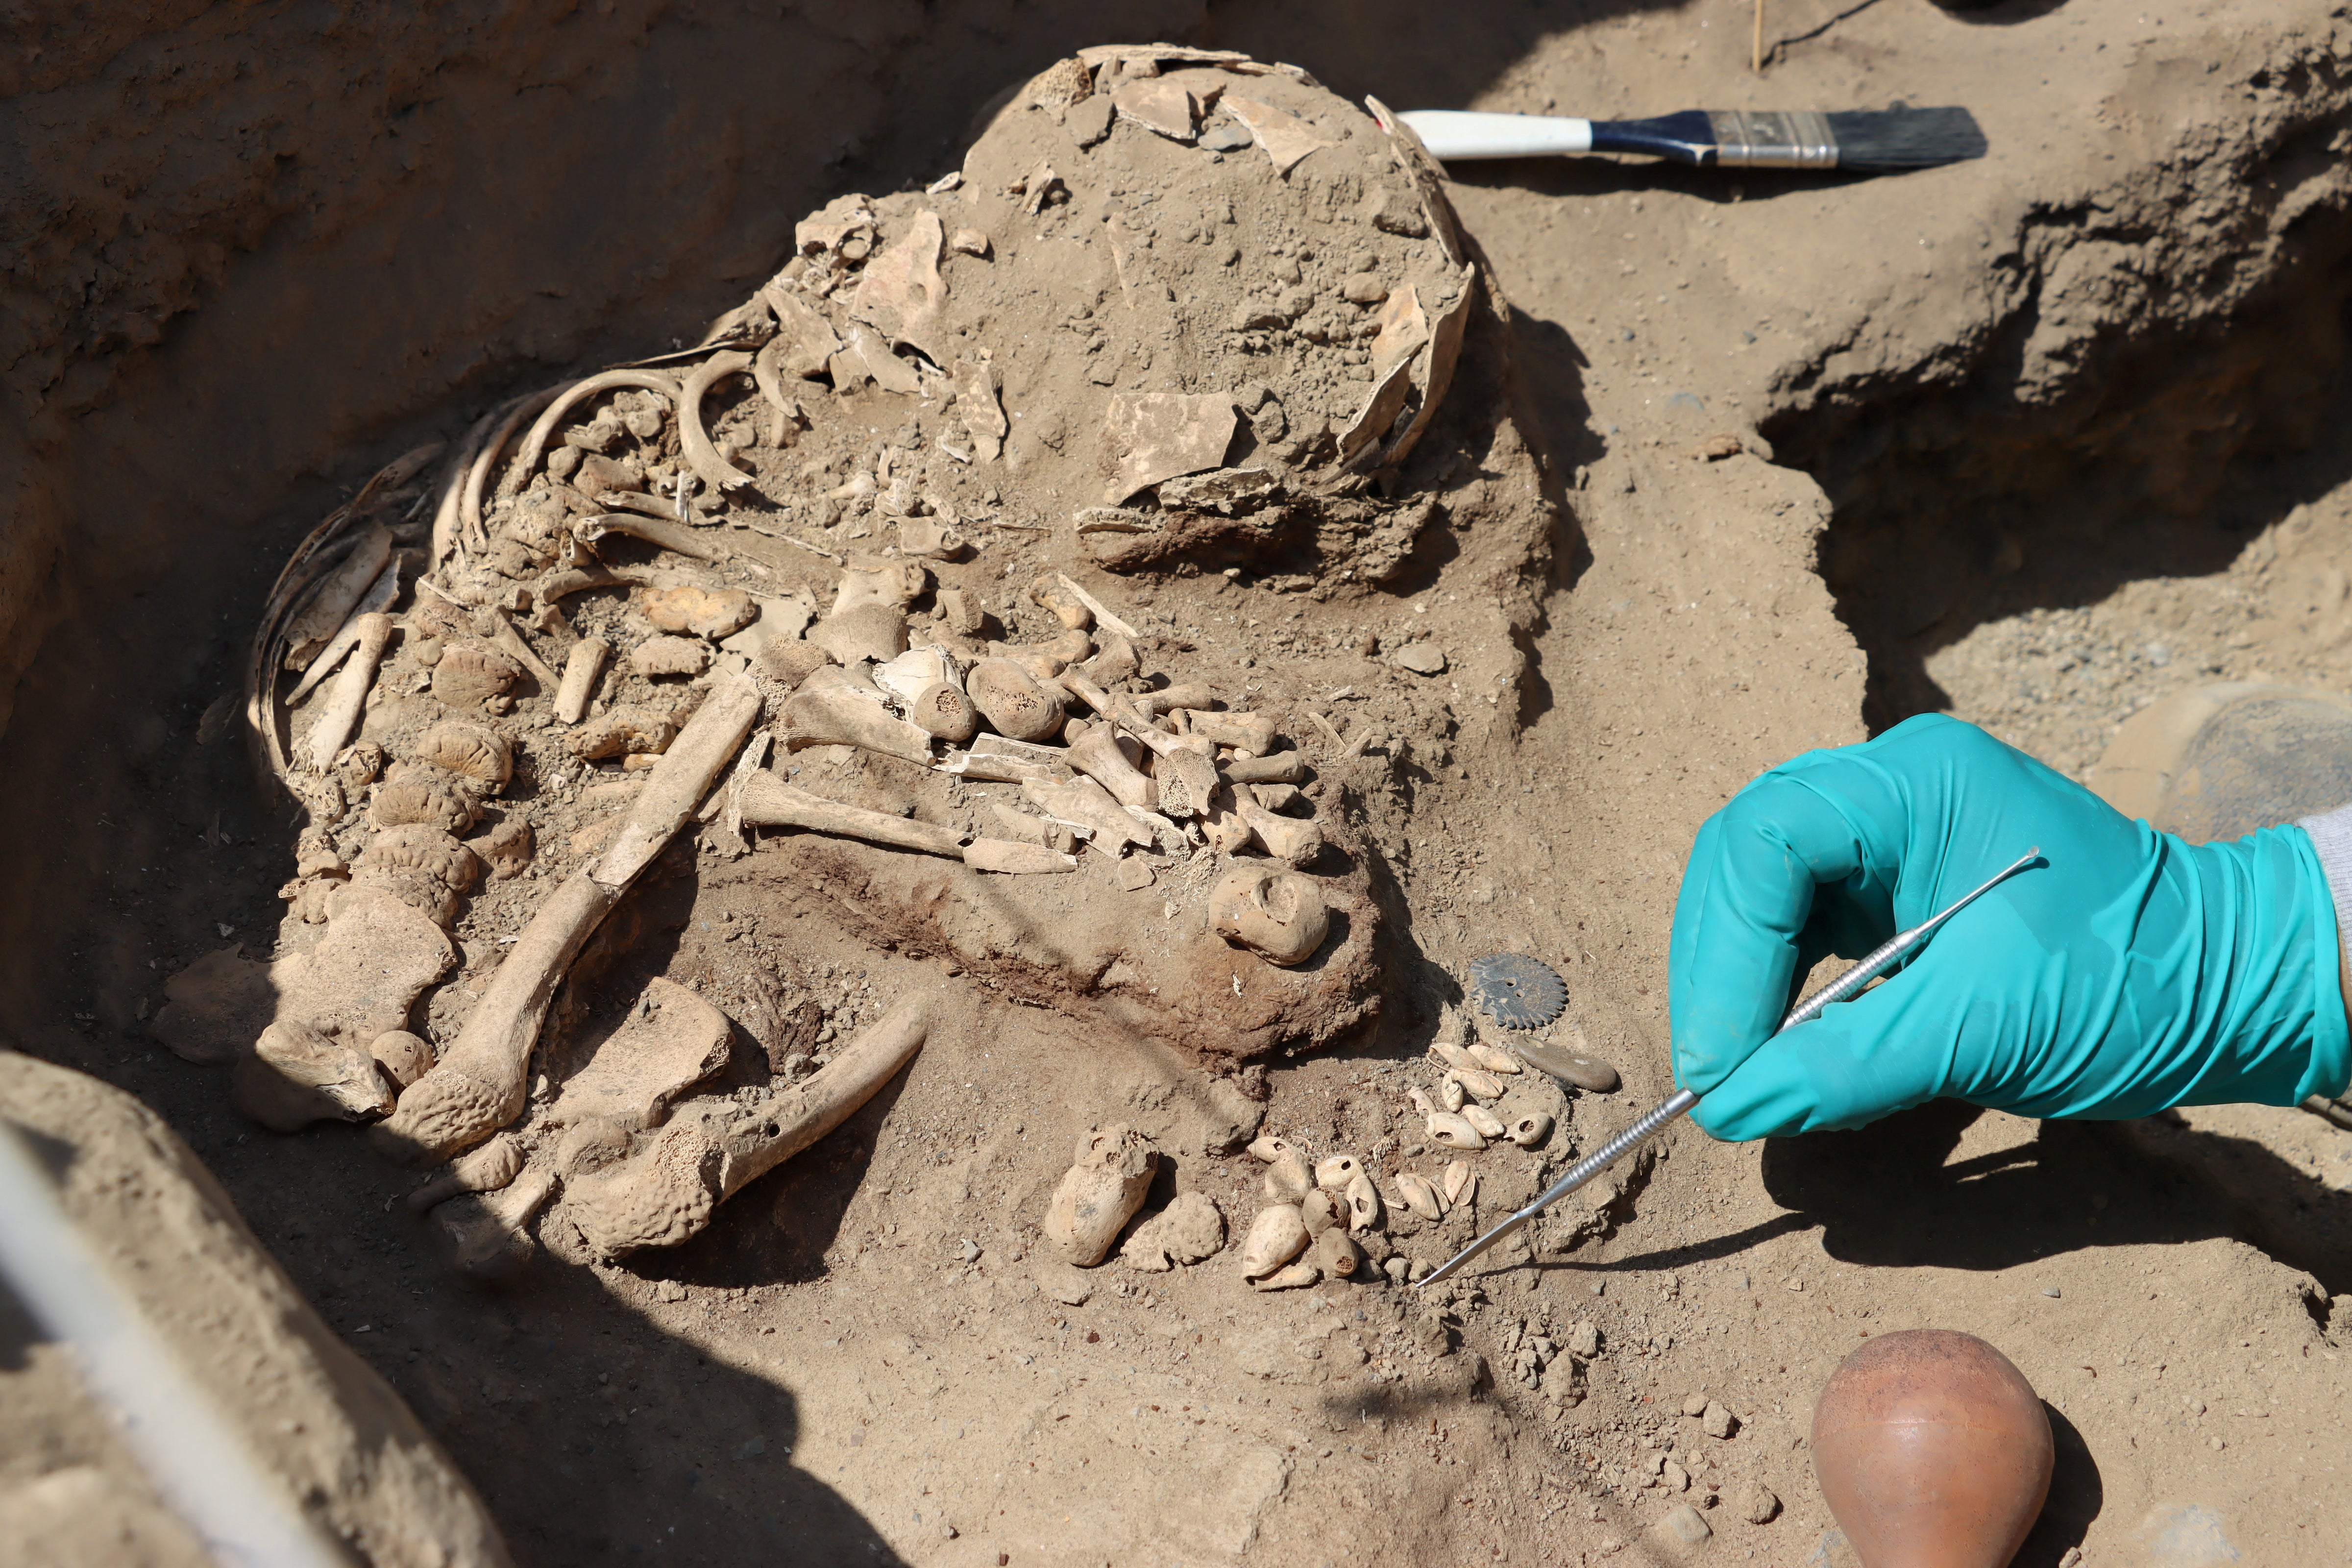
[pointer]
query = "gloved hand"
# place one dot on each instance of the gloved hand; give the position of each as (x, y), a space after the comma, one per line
(2128, 972)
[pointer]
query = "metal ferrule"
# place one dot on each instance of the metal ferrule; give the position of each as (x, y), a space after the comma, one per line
(1773, 139)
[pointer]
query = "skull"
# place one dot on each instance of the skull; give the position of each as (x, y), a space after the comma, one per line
(1276, 914)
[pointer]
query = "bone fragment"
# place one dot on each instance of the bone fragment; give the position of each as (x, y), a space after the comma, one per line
(534, 442)
(297, 1074)
(716, 471)
(1102, 754)
(331, 604)
(1250, 734)
(485, 1236)
(998, 758)
(1295, 1277)
(668, 1192)
(1011, 856)
(1191, 696)
(1283, 837)
(1055, 594)
(782, 408)
(1100, 1192)
(1276, 1235)
(349, 695)
(404, 1058)
(1082, 802)
(477, 1087)
(482, 1170)
(768, 802)
(503, 633)
(578, 687)
(1336, 1254)
(378, 597)
(1103, 617)
(1322, 1210)
(1282, 767)
(831, 710)
(1012, 702)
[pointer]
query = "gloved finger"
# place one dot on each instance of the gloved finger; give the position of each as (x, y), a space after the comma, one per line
(1751, 912)
(1897, 1044)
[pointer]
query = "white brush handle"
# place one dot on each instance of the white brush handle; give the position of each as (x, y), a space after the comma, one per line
(1459, 133)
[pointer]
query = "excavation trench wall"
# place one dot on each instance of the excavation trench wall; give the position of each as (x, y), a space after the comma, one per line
(2126, 346)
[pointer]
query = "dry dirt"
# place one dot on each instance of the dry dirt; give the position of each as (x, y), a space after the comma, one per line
(2052, 434)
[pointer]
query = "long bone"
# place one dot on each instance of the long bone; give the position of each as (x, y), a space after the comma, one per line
(342, 714)
(1185, 778)
(477, 1086)
(767, 801)
(665, 1194)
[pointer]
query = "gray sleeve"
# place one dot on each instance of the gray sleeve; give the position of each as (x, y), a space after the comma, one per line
(2331, 836)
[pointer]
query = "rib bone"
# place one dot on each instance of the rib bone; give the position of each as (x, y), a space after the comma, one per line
(349, 694)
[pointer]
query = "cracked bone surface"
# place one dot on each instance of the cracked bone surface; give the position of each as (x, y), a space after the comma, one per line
(666, 1193)
(477, 1086)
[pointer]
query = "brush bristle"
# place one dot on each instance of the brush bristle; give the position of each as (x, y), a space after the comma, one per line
(1905, 137)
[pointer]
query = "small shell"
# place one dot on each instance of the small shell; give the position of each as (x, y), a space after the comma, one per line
(1364, 1211)
(1287, 1179)
(1461, 1182)
(1295, 1276)
(1489, 1125)
(1451, 1094)
(1336, 1255)
(1493, 1060)
(1481, 1085)
(1269, 1148)
(1275, 1237)
(1321, 1210)
(1421, 1195)
(1421, 1103)
(1451, 1055)
(1530, 1131)
(1453, 1132)
(1334, 1174)
(482, 755)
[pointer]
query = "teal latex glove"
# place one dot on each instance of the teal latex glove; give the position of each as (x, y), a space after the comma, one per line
(2130, 972)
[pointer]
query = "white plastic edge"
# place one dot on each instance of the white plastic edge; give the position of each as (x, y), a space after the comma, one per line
(200, 1469)
(1460, 133)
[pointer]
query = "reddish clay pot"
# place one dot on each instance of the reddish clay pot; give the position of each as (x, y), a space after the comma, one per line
(1933, 1451)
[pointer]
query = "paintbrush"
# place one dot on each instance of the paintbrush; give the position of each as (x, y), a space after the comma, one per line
(1879, 141)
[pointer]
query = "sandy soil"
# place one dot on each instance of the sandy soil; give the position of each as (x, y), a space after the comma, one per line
(865, 1355)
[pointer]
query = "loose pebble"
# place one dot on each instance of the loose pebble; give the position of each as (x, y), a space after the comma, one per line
(2050, 1291)
(1684, 1523)
(1718, 1421)
(1695, 1404)
(1421, 658)
(1758, 1506)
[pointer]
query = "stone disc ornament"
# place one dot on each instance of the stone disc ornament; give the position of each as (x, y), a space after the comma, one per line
(1517, 991)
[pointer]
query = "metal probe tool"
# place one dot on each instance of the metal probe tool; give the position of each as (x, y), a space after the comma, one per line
(1681, 1100)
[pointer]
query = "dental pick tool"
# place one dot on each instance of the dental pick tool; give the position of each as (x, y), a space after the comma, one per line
(1681, 1100)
